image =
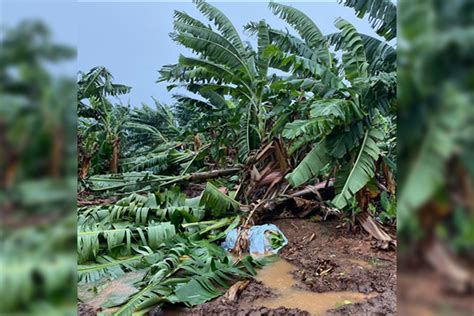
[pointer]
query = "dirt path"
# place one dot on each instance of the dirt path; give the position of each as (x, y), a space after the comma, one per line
(327, 260)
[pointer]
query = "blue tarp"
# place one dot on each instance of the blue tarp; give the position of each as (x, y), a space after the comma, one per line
(259, 244)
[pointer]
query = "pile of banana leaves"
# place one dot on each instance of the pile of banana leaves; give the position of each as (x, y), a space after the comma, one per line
(171, 240)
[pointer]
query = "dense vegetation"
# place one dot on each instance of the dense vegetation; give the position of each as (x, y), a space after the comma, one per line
(331, 111)
(37, 172)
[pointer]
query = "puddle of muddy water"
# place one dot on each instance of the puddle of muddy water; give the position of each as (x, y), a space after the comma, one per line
(277, 276)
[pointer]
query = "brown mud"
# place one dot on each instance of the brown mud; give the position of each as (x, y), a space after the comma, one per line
(350, 276)
(423, 291)
(324, 270)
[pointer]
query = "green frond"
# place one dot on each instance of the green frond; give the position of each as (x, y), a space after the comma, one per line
(158, 162)
(183, 17)
(344, 138)
(333, 112)
(426, 174)
(353, 177)
(299, 128)
(107, 267)
(302, 66)
(156, 134)
(215, 99)
(88, 241)
(218, 70)
(20, 274)
(380, 55)
(248, 138)
(353, 57)
(217, 201)
(325, 115)
(285, 41)
(154, 289)
(310, 166)
(212, 45)
(263, 40)
(382, 15)
(307, 29)
(223, 24)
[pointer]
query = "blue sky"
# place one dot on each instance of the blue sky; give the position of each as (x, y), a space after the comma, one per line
(131, 38)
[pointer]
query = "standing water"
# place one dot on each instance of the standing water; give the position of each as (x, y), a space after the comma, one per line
(277, 276)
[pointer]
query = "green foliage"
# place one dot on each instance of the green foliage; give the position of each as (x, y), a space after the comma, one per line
(352, 178)
(310, 166)
(382, 15)
(224, 69)
(276, 239)
(306, 28)
(331, 105)
(36, 268)
(164, 234)
(435, 118)
(215, 200)
(37, 159)
(389, 208)
(353, 57)
(342, 120)
(99, 119)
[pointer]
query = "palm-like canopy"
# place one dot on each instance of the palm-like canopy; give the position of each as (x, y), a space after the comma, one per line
(224, 68)
(350, 98)
(98, 118)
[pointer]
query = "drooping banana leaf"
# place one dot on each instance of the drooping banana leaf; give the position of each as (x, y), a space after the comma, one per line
(353, 177)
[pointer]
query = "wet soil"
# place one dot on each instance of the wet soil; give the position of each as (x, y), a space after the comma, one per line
(327, 260)
(279, 277)
(104, 295)
(240, 307)
(422, 291)
(350, 275)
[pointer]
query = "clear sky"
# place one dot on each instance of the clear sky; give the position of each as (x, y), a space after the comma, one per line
(131, 38)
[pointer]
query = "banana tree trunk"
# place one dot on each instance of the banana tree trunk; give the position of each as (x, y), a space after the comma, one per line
(86, 163)
(115, 155)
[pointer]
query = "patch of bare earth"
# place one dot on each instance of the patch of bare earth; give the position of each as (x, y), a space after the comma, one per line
(328, 259)
(422, 291)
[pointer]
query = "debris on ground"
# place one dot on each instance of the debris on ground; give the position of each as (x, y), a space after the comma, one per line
(262, 240)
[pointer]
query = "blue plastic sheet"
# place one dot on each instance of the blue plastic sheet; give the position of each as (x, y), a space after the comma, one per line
(259, 244)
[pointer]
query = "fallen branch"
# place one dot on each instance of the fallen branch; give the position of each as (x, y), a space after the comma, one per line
(201, 176)
(120, 181)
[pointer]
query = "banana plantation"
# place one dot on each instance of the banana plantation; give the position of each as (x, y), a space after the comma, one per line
(267, 187)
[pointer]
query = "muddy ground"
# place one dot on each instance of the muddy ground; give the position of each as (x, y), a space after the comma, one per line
(327, 258)
(423, 291)
(351, 262)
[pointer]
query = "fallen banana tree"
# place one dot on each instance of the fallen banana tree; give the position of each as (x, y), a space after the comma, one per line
(169, 237)
(267, 179)
(147, 181)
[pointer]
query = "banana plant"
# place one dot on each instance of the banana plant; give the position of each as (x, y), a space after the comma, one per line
(150, 127)
(344, 119)
(99, 119)
(228, 74)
